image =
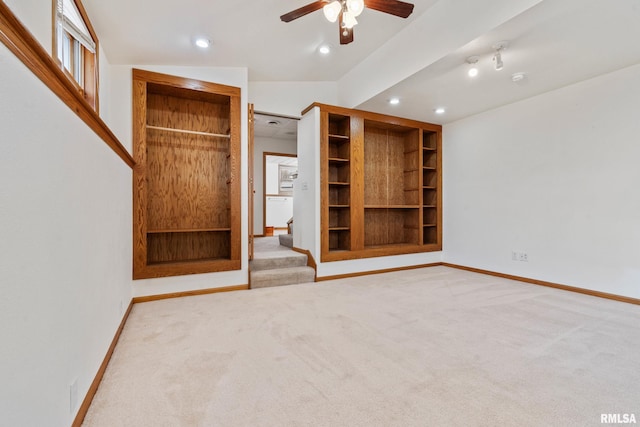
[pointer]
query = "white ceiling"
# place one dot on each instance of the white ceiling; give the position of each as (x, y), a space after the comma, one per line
(276, 127)
(555, 42)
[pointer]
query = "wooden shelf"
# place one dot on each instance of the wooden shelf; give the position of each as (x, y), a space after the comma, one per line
(189, 230)
(377, 172)
(391, 206)
(429, 206)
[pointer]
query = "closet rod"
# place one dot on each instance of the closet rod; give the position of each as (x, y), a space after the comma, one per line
(192, 132)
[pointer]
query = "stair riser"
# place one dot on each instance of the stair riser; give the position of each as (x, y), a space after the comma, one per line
(274, 263)
(269, 278)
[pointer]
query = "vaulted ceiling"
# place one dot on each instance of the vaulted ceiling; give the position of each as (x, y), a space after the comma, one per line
(420, 60)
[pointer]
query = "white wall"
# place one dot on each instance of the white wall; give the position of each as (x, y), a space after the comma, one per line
(306, 188)
(260, 146)
(290, 98)
(121, 123)
(65, 250)
(555, 176)
(37, 16)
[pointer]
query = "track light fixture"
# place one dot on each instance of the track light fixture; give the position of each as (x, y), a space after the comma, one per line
(497, 57)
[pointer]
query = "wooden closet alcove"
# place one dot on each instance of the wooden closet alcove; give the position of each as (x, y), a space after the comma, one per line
(186, 182)
(380, 184)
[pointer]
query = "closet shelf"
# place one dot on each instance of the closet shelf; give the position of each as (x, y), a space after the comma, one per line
(189, 230)
(190, 132)
(391, 206)
(338, 159)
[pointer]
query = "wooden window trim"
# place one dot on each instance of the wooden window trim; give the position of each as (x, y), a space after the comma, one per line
(91, 62)
(26, 48)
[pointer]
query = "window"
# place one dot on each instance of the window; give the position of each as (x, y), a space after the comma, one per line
(75, 46)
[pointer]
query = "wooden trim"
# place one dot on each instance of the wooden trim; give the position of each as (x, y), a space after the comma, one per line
(386, 270)
(159, 297)
(590, 292)
(310, 261)
(185, 83)
(367, 115)
(93, 388)
(259, 235)
(26, 48)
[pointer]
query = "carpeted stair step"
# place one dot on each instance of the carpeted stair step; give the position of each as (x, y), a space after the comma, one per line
(276, 260)
(281, 276)
(286, 240)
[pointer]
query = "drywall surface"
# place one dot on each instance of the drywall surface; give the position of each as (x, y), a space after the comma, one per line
(306, 188)
(65, 251)
(556, 177)
(262, 145)
(37, 16)
(290, 98)
(120, 115)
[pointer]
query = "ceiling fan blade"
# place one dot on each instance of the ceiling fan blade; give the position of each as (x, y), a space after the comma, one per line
(393, 7)
(304, 10)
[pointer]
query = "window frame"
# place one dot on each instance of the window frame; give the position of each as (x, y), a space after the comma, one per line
(84, 72)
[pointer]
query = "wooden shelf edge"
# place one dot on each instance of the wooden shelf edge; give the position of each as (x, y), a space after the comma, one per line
(391, 206)
(344, 138)
(190, 230)
(387, 250)
(25, 47)
(182, 268)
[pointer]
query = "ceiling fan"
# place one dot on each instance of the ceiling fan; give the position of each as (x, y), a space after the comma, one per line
(346, 11)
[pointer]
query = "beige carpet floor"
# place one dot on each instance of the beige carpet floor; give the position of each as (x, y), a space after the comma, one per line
(427, 347)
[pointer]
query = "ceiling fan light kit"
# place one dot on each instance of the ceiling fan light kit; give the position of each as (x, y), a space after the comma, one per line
(346, 11)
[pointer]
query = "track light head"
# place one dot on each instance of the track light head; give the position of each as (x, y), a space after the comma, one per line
(497, 57)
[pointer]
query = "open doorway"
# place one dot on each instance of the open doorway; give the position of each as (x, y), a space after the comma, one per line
(279, 172)
(273, 136)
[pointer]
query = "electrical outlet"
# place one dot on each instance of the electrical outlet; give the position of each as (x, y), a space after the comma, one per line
(519, 256)
(73, 396)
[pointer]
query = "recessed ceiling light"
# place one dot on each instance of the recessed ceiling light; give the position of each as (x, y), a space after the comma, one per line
(202, 43)
(473, 69)
(439, 110)
(324, 49)
(394, 101)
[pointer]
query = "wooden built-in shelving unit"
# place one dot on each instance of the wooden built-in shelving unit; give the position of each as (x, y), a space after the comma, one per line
(380, 183)
(186, 178)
